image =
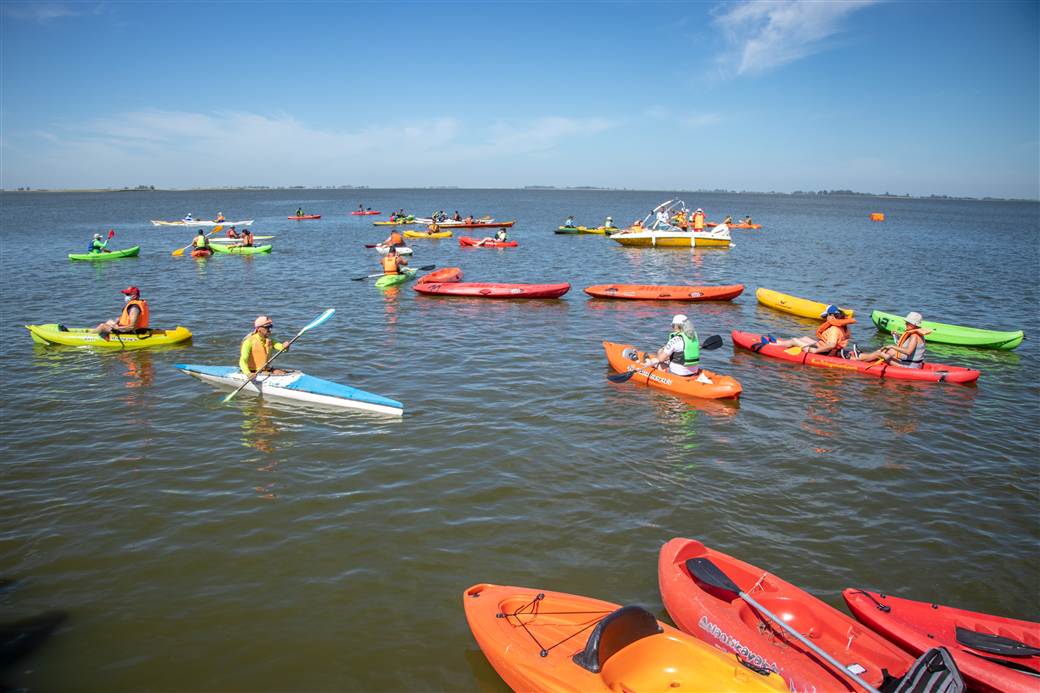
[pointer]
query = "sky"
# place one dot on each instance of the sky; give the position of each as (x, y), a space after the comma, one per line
(915, 98)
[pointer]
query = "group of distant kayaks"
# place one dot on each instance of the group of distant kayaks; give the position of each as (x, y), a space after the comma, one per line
(742, 628)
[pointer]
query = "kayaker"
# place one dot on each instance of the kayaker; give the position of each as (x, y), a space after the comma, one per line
(257, 347)
(910, 346)
(219, 217)
(188, 218)
(728, 220)
(247, 239)
(698, 219)
(97, 244)
(469, 219)
(392, 262)
(682, 351)
(456, 216)
(832, 336)
(746, 220)
(569, 222)
(133, 317)
(433, 228)
(201, 241)
(232, 233)
(609, 223)
(299, 211)
(394, 240)
(500, 237)
(361, 208)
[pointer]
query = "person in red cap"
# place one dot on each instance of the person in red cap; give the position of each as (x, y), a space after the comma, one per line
(134, 316)
(257, 346)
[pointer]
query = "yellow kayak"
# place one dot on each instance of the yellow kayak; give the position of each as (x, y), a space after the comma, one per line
(428, 234)
(602, 230)
(78, 336)
(794, 305)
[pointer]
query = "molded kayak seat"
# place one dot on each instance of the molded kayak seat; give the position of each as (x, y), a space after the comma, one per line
(614, 633)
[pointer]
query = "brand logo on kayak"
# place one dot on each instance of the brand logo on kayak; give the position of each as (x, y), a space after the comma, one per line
(742, 650)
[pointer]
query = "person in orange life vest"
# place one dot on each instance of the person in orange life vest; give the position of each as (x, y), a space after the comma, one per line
(909, 349)
(219, 217)
(469, 219)
(231, 233)
(133, 317)
(392, 262)
(394, 240)
(698, 219)
(832, 336)
(247, 239)
(257, 348)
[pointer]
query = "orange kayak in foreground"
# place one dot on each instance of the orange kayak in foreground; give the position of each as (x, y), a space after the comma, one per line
(621, 359)
(550, 641)
(646, 292)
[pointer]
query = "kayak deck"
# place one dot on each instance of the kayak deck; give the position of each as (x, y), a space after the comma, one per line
(647, 292)
(794, 305)
(53, 334)
(296, 386)
(492, 290)
(132, 251)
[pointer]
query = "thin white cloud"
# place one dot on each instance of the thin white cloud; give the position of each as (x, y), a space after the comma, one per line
(767, 34)
(44, 12)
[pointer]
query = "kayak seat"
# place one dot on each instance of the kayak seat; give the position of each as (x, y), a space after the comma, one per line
(62, 328)
(933, 672)
(614, 633)
(995, 644)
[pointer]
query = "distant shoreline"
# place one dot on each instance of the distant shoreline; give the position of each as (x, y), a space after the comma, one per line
(530, 188)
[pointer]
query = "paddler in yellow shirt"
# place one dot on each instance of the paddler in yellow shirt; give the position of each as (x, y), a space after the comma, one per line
(257, 348)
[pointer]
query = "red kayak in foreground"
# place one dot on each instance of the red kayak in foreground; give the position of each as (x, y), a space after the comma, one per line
(488, 290)
(994, 653)
(666, 293)
(475, 242)
(732, 625)
(929, 372)
(306, 216)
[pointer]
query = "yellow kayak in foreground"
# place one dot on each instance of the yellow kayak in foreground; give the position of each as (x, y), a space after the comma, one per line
(428, 234)
(80, 336)
(792, 304)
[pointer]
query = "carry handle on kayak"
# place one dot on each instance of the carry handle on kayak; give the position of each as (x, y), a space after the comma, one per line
(712, 342)
(707, 573)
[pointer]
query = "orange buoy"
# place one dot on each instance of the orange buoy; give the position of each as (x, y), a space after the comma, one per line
(877, 216)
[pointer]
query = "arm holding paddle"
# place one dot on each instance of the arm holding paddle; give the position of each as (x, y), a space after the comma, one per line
(180, 251)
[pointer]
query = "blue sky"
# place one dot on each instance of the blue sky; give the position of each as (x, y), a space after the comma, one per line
(904, 97)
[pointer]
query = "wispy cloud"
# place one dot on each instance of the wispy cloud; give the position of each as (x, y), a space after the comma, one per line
(691, 120)
(44, 12)
(768, 34)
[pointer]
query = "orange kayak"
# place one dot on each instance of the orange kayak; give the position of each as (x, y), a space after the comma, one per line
(735, 225)
(666, 293)
(720, 387)
(550, 641)
(446, 275)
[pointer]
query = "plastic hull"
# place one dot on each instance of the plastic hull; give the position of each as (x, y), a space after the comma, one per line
(82, 336)
(720, 387)
(952, 334)
(786, 303)
(467, 241)
(489, 290)
(241, 250)
(643, 292)
(102, 257)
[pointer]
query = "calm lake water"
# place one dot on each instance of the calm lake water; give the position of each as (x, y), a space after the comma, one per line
(254, 547)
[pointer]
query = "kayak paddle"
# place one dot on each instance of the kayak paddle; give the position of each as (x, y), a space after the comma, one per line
(179, 252)
(424, 268)
(712, 342)
(313, 323)
(707, 573)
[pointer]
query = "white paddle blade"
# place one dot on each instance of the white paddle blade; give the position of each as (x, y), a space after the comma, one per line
(319, 320)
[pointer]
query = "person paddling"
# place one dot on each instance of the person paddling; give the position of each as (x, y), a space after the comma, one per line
(831, 339)
(247, 239)
(609, 223)
(392, 263)
(231, 233)
(201, 242)
(133, 317)
(188, 218)
(257, 347)
(97, 245)
(219, 217)
(299, 211)
(910, 347)
(682, 351)
(394, 240)
(569, 222)
(746, 220)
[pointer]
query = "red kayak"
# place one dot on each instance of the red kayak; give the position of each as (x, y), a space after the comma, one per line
(666, 293)
(201, 252)
(929, 372)
(365, 214)
(994, 653)
(475, 242)
(732, 625)
(446, 275)
(486, 290)
(306, 216)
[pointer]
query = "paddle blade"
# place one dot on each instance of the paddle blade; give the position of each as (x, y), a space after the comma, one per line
(712, 342)
(318, 320)
(994, 644)
(621, 377)
(178, 252)
(111, 233)
(707, 573)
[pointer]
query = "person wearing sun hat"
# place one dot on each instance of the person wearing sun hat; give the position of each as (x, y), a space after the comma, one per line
(910, 347)
(133, 317)
(831, 339)
(682, 351)
(698, 219)
(257, 347)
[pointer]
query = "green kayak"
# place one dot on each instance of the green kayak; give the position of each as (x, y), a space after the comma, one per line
(388, 280)
(952, 334)
(562, 230)
(240, 249)
(114, 255)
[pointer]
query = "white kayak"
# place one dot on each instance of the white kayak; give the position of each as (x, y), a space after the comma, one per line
(401, 250)
(451, 222)
(202, 222)
(295, 386)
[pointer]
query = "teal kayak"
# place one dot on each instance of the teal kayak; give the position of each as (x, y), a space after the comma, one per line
(114, 255)
(952, 334)
(240, 249)
(388, 280)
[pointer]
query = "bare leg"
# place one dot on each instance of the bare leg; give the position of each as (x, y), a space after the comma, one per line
(795, 341)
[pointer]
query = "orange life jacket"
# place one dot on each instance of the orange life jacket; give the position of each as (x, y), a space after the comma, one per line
(396, 238)
(906, 335)
(247, 239)
(841, 323)
(391, 264)
(142, 320)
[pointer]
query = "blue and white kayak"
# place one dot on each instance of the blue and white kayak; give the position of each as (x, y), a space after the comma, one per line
(296, 386)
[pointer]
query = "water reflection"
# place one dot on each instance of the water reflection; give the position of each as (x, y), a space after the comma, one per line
(260, 429)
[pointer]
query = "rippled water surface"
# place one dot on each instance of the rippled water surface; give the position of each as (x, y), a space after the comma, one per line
(254, 546)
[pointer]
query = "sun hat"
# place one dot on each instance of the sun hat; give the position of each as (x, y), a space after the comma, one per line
(913, 318)
(131, 291)
(679, 319)
(831, 310)
(262, 321)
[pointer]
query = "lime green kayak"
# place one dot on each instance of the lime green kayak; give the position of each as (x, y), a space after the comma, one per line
(114, 255)
(388, 280)
(952, 334)
(80, 336)
(240, 249)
